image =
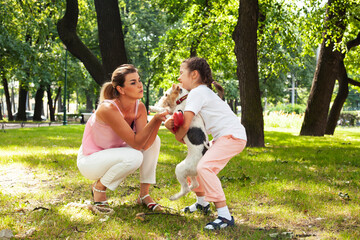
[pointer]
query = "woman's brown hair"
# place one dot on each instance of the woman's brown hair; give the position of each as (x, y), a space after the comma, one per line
(108, 89)
(201, 65)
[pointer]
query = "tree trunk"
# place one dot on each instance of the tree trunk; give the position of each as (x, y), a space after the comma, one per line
(338, 102)
(39, 105)
(111, 37)
(147, 101)
(245, 38)
(89, 103)
(196, 41)
(327, 71)
(51, 103)
(67, 32)
(21, 113)
(321, 91)
(343, 90)
(7, 98)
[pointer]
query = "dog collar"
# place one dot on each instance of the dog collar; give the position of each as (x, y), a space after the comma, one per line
(181, 99)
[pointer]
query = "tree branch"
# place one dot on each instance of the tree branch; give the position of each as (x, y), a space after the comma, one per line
(67, 32)
(353, 82)
(353, 43)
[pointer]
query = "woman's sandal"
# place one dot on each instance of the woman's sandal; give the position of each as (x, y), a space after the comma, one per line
(100, 203)
(152, 206)
(220, 223)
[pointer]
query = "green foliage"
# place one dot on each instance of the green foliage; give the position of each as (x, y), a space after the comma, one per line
(144, 23)
(281, 52)
(204, 28)
(352, 58)
(349, 118)
(32, 52)
(353, 99)
(281, 120)
(160, 34)
(288, 108)
(30, 34)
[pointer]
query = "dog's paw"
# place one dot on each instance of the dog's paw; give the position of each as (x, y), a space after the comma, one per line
(193, 185)
(157, 109)
(179, 194)
(174, 197)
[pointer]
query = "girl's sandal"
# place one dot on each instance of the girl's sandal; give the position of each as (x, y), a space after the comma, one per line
(220, 223)
(152, 206)
(99, 203)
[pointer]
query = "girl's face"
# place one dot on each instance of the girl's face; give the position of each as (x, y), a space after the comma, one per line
(133, 87)
(185, 78)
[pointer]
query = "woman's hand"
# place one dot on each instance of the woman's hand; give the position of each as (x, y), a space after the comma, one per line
(161, 116)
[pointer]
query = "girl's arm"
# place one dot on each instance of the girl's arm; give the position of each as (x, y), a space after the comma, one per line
(111, 116)
(181, 132)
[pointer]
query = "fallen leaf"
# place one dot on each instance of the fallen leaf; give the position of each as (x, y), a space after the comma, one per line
(140, 218)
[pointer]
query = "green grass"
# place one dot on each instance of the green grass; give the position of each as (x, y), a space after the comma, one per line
(291, 185)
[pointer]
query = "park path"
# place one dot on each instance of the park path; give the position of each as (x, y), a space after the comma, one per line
(7, 125)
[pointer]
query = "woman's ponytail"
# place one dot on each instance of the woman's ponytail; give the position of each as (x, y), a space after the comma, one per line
(108, 91)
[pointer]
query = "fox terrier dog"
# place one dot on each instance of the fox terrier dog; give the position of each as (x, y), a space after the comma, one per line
(196, 139)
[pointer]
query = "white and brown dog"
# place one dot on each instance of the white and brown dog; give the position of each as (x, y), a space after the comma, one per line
(196, 139)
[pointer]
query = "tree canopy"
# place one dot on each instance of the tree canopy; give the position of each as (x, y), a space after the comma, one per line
(156, 35)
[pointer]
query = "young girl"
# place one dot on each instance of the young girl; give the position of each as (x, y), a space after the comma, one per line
(229, 137)
(118, 140)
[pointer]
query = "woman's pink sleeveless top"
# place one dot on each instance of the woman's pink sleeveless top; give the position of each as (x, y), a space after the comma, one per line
(100, 136)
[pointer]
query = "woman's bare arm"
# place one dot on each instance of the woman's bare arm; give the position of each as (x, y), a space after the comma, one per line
(111, 116)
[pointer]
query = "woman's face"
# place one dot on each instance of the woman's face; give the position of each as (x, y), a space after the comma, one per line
(133, 87)
(185, 77)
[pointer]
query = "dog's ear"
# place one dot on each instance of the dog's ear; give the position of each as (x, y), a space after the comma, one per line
(173, 86)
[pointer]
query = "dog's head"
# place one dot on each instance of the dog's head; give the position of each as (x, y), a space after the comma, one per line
(168, 101)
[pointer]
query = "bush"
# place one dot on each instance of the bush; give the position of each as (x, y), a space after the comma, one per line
(84, 110)
(288, 108)
(349, 118)
(69, 117)
(283, 120)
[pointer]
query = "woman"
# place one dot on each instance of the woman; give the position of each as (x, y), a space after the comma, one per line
(118, 140)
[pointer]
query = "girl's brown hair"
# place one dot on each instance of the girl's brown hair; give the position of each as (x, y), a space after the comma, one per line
(108, 89)
(201, 65)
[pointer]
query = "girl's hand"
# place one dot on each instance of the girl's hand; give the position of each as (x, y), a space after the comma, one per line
(169, 124)
(161, 116)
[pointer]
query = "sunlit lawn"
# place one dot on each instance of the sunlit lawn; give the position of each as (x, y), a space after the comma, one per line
(300, 187)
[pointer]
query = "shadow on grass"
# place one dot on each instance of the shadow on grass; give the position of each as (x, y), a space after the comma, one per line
(81, 224)
(57, 220)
